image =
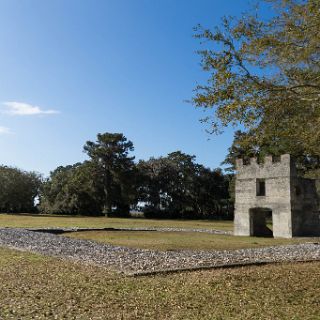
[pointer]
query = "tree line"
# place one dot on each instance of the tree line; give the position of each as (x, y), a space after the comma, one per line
(111, 183)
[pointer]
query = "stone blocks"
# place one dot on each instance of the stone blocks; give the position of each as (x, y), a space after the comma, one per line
(290, 200)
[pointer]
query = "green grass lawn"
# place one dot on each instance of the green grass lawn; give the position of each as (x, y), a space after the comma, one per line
(37, 287)
(39, 221)
(181, 240)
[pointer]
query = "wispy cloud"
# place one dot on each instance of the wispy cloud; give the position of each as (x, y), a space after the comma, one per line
(24, 109)
(4, 130)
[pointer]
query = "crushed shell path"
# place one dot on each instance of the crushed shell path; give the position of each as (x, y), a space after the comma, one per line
(132, 261)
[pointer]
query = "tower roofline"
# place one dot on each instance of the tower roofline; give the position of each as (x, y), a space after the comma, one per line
(285, 159)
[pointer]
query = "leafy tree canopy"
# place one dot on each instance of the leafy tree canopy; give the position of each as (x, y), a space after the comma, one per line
(265, 76)
(176, 186)
(114, 168)
(18, 190)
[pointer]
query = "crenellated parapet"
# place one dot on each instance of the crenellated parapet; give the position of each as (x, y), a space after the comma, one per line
(284, 159)
(269, 167)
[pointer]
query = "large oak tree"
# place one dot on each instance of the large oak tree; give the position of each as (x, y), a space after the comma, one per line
(264, 75)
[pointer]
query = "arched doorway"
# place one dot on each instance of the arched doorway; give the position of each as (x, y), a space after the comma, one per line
(261, 222)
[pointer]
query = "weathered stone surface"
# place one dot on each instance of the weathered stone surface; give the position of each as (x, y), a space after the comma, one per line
(292, 200)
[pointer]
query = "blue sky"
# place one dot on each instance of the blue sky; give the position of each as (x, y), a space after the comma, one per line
(71, 69)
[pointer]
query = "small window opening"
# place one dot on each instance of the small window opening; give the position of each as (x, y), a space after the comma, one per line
(261, 187)
(298, 190)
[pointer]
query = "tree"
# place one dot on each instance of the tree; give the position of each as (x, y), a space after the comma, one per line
(103, 184)
(71, 190)
(176, 186)
(265, 75)
(211, 195)
(53, 195)
(109, 182)
(182, 180)
(243, 146)
(155, 176)
(18, 190)
(114, 169)
(84, 190)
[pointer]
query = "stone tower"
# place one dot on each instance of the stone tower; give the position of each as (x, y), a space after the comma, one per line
(273, 189)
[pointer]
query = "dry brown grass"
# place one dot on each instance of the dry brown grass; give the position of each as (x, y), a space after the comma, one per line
(43, 221)
(36, 287)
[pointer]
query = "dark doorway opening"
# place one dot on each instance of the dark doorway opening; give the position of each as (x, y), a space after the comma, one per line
(261, 222)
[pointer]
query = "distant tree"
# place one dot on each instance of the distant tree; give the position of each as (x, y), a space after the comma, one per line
(84, 190)
(177, 187)
(54, 195)
(181, 186)
(155, 176)
(265, 75)
(18, 190)
(104, 184)
(71, 190)
(211, 194)
(115, 170)
(110, 183)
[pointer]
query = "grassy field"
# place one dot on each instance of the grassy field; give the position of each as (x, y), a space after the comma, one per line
(148, 240)
(181, 240)
(36, 287)
(39, 221)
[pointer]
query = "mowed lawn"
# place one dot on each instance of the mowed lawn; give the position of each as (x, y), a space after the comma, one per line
(147, 239)
(181, 240)
(37, 287)
(45, 221)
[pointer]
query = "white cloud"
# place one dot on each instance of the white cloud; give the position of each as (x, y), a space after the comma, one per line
(24, 109)
(4, 130)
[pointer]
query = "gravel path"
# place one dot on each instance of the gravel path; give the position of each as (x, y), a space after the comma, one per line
(141, 261)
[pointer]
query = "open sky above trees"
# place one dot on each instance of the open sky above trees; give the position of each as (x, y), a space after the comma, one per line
(70, 69)
(260, 73)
